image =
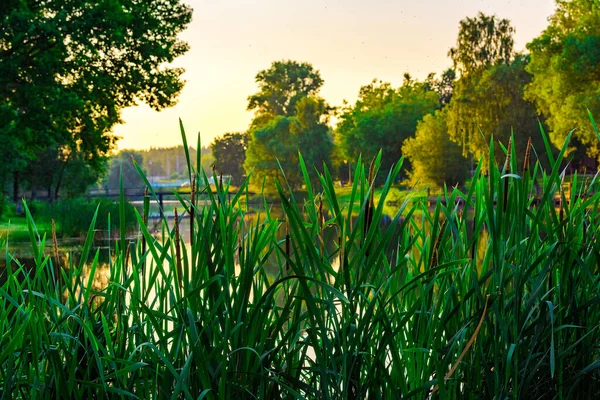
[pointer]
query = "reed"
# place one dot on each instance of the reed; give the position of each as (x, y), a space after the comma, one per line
(499, 298)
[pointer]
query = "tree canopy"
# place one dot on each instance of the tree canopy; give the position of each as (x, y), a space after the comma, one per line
(281, 140)
(491, 105)
(383, 118)
(488, 98)
(289, 118)
(565, 64)
(482, 42)
(281, 87)
(70, 67)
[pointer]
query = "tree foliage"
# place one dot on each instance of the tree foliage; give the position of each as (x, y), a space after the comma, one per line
(482, 42)
(435, 159)
(289, 118)
(70, 67)
(383, 118)
(565, 63)
(281, 87)
(488, 98)
(491, 105)
(229, 152)
(281, 140)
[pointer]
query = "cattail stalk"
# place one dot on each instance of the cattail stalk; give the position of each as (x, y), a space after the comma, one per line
(469, 344)
(178, 250)
(192, 209)
(507, 170)
(370, 204)
(145, 221)
(288, 244)
(321, 226)
(56, 258)
(527, 155)
(438, 242)
(508, 156)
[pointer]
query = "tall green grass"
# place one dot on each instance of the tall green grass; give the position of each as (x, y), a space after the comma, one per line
(496, 299)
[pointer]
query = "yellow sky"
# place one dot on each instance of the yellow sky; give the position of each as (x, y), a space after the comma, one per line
(350, 42)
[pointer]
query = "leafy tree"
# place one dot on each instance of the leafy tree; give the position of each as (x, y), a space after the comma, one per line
(482, 41)
(491, 104)
(565, 63)
(315, 137)
(280, 88)
(383, 118)
(289, 118)
(229, 152)
(488, 98)
(435, 159)
(69, 67)
(279, 142)
(272, 145)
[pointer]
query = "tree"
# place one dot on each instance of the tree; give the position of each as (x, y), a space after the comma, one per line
(282, 138)
(565, 64)
(487, 100)
(482, 41)
(383, 118)
(280, 88)
(435, 159)
(289, 117)
(489, 105)
(229, 151)
(69, 68)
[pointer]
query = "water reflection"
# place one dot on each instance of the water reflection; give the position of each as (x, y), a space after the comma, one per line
(416, 231)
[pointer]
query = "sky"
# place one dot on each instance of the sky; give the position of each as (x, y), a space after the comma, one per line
(350, 42)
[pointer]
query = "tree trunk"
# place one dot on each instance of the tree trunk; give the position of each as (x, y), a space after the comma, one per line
(16, 187)
(33, 186)
(60, 176)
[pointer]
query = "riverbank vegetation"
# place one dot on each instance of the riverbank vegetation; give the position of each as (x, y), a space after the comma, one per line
(495, 298)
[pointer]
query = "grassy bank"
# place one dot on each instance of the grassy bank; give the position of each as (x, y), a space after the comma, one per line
(500, 302)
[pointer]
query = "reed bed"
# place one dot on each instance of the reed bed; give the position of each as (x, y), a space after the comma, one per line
(492, 294)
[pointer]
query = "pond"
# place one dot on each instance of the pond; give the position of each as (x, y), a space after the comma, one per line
(70, 249)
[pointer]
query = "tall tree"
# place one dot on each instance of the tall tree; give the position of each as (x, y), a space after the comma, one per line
(488, 99)
(383, 118)
(443, 86)
(482, 42)
(229, 151)
(282, 138)
(280, 88)
(490, 104)
(69, 67)
(565, 63)
(289, 117)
